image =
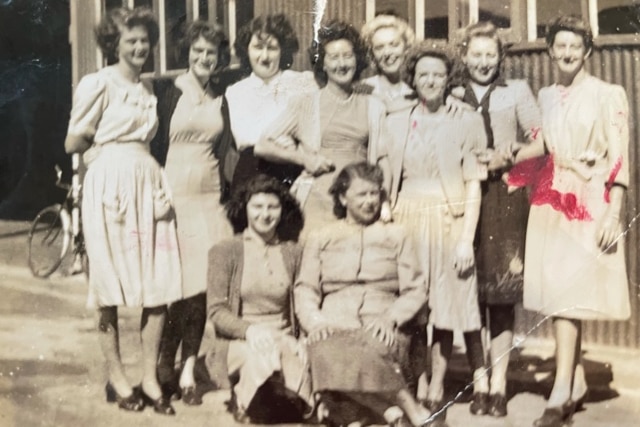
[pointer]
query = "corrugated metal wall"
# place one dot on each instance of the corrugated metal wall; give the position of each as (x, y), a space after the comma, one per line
(300, 12)
(613, 64)
(617, 65)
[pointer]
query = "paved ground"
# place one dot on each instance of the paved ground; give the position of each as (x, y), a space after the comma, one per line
(51, 371)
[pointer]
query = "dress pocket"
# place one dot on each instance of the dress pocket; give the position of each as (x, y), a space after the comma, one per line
(115, 209)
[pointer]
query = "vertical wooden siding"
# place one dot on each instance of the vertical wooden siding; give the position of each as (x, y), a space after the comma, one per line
(617, 65)
(300, 12)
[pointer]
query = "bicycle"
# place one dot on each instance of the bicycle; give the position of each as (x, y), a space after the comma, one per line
(56, 229)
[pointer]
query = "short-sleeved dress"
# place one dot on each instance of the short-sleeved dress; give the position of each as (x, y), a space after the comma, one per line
(344, 131)
(128, 220)
(587, 133)
(438, 159)
(192, 171)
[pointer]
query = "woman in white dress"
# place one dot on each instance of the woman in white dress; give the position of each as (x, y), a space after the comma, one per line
(128, 220)
(574, 259)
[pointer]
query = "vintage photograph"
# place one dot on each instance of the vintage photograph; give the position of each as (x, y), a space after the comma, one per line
(331, 213)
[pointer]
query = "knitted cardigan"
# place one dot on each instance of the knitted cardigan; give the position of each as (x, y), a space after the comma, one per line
(224, 305)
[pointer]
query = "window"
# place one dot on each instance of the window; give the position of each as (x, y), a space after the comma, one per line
(618, 17)
(548, 10)
(436, 20)
(496, 11)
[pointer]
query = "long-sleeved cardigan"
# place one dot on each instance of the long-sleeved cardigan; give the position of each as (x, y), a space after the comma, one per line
(224, 305)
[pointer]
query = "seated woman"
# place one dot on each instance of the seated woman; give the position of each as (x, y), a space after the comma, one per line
(251, 307)
(357, 295)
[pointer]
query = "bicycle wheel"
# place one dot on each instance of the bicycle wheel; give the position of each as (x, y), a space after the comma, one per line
(48, 240)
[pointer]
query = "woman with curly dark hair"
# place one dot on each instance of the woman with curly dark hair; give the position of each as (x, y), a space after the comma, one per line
(192, 141)
(436, 193)
(266, 47)
(249, 299)
(330, 127)
(128, 219)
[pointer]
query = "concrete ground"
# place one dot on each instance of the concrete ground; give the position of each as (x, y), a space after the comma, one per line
(51, 370)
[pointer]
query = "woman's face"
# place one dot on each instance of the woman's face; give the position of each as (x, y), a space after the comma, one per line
(482, 60)
(203, 58)
(430, 79)
(388, 46)
(340, 62)
(134, 46)
(362, 200)
(264, 211)
(264, 55)
(568, 51)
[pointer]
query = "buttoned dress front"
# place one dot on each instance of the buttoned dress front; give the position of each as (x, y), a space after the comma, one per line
(566, 274)
(350, 275)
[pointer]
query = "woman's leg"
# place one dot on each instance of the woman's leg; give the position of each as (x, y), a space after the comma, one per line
(151, 325)
(476, 359)
(196, 317)
(501, 321)
(110, 345)
(568, 334)
(172, 334)
(441, 349)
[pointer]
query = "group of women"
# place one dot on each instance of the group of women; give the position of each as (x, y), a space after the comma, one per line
(406, 193)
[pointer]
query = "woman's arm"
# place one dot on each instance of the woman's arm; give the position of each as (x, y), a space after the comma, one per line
(308, 290)
(464, 258)
(279, 142)
(220, 279)
(89, 102)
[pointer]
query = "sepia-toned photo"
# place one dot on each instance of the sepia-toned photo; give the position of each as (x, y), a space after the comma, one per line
(331, 213)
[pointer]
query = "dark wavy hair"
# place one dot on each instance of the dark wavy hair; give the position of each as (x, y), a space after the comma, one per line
(346, 176)
(277, 26)
(570, 23)
(421, 50)
(291, 222)
(332, 31)
(107, 32)
(214, 34)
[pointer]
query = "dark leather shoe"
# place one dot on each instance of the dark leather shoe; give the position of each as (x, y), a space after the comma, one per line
(161, 405)
(498, 405)
(438, 413)
(171, 390)
(479, 404)
(133, 402)
(190, 396)
(556, 416)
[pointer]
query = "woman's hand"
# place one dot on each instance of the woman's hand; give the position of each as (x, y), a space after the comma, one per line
(464, 258)
(494, 159)
(260, 337)
(382, 329)
(455, 105)
(317, 164)
(609, 231)
(385, 212)
(320, 334)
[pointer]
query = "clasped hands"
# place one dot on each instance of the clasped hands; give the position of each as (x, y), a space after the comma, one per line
(381, 329)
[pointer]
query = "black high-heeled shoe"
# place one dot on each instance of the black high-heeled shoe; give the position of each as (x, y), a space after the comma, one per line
(479, 404)
(498, 405)
(556, 416)
(161, 405)
(133, 402)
